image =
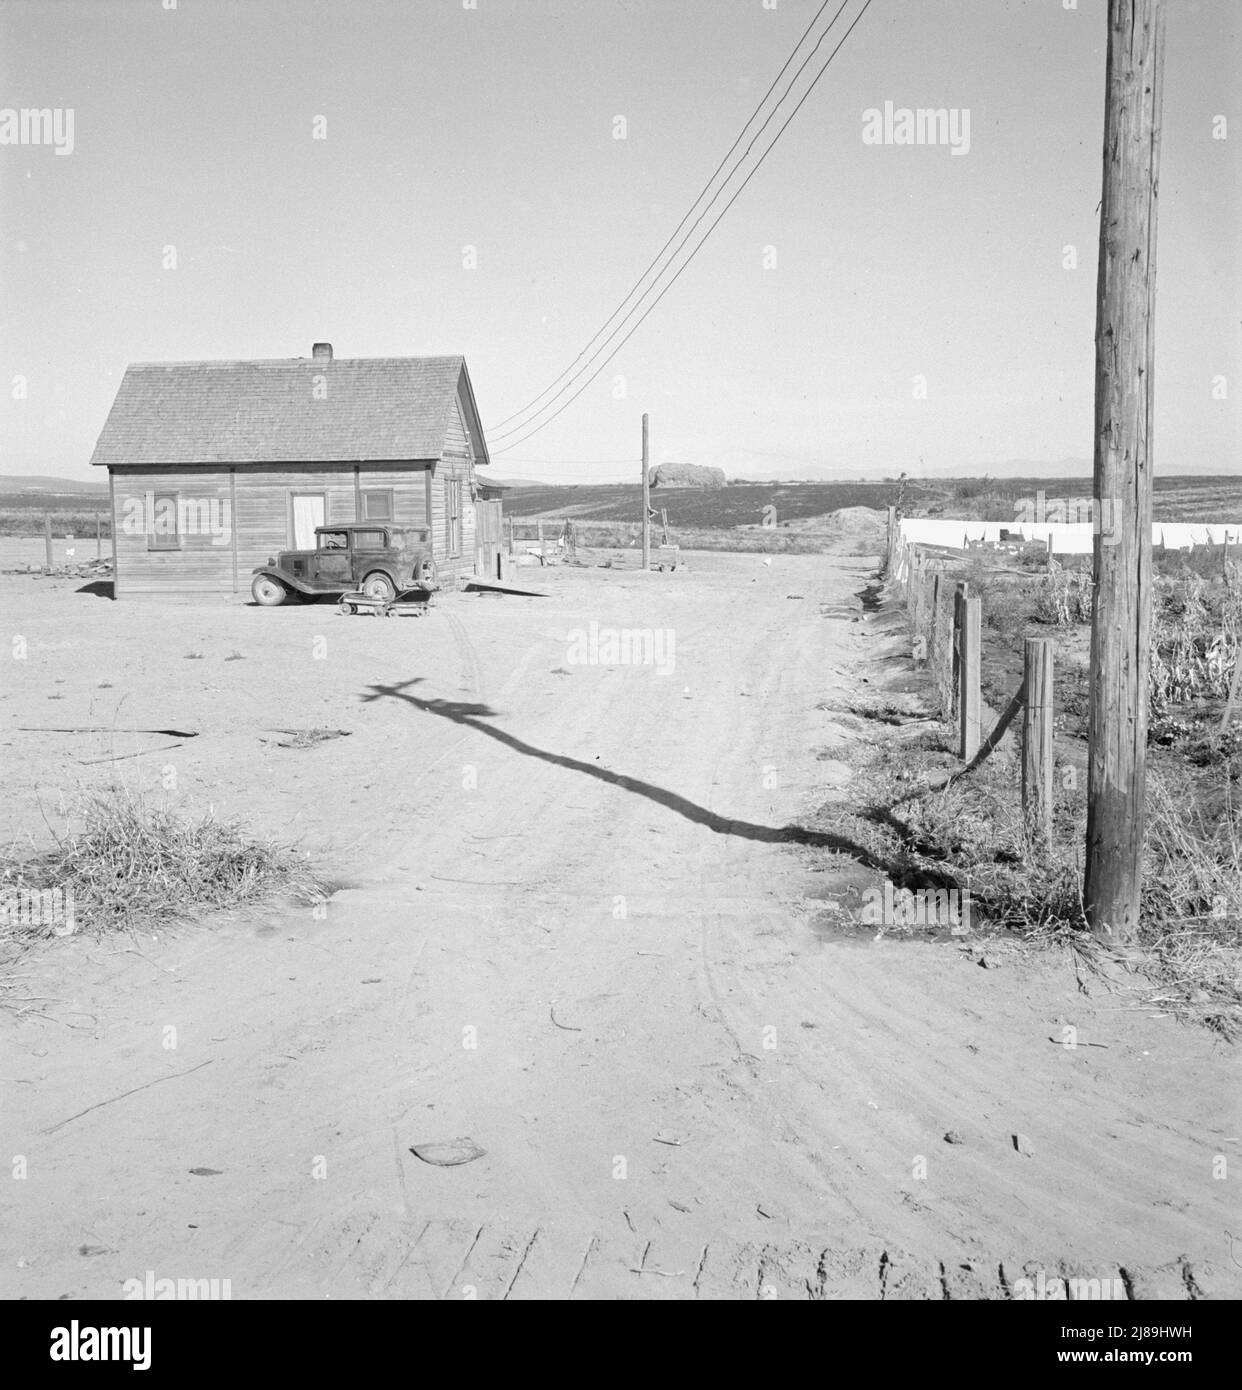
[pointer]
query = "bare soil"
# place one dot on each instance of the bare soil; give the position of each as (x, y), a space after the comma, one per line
(580, 923)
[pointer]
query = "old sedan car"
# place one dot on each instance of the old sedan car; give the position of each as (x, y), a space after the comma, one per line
(376, 559)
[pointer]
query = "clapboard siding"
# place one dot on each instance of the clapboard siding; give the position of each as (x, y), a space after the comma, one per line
(204, 560)
(240, 517)
(457, 437)
(409, 490)
(458, 462)
(463, 565)
(264, 509)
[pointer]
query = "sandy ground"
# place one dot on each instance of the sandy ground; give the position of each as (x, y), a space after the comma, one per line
(580, 928)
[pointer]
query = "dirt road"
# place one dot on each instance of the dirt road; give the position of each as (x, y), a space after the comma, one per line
(580, 930)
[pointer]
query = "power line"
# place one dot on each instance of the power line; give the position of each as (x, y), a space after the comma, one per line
(738, 164)
(684, 265)
(500, 427)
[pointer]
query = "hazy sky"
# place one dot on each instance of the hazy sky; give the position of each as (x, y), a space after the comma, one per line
(493, 127)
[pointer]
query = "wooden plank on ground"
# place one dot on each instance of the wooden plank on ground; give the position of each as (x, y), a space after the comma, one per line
(432, 1267)
(671, 1261)
(494, 1263)
(553, 1263)
(607, 1270)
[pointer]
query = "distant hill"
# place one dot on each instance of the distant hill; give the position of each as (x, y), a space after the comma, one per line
(487, 476)
(826, 473)
(33, 482)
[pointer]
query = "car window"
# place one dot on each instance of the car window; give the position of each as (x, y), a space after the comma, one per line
(334, 540)
(368, 540)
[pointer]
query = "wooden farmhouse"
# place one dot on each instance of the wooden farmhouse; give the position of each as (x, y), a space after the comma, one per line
(215, 466)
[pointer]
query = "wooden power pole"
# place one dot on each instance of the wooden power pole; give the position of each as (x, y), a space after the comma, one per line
(646, 501)
(1121, 620)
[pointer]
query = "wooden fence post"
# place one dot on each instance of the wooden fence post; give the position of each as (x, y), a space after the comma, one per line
(968, 679)
(933, 630)
(47, 537)
(1037, 740)
(99, 535)
(920, 562)
(948, 660)
(509, 519)
(944, 644)
(926, 624)
(955, 674)
(892, 540)
(543, 552)
(916, 605)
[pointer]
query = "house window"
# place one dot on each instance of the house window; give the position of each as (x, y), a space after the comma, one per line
(452, 516)
(163, 532)
(377, 504)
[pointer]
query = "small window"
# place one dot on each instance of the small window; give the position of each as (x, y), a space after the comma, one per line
(452, 515)
(370, 540)
(377, 504)
(163, 532)
(333, 540)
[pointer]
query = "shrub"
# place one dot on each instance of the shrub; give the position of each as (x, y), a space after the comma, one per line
(1196, 631)
(130, 864)
(1064, 598)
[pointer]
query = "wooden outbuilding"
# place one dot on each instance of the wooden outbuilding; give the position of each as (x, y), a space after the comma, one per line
(215, 466)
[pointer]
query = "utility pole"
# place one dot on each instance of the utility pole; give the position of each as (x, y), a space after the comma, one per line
(646, 501)
(1121, 618)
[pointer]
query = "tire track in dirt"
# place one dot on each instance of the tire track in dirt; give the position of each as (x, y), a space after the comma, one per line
(786, 687)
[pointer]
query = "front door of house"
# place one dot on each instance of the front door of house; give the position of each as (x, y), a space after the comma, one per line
(306, 511)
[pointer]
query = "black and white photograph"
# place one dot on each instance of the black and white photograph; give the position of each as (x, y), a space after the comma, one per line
(621, 663)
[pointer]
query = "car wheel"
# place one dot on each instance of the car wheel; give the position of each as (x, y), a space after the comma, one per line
(379, 586)
(268, 592)
(426, 573)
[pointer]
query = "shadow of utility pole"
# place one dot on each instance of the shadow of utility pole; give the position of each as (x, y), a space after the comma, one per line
(474, 716)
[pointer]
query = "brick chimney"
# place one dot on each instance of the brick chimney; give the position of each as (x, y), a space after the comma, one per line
(322, 352)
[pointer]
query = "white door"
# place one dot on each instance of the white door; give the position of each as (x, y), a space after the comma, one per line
(308, 510)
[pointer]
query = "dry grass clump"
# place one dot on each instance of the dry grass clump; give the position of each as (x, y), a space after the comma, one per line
(1188, 958)
(126, 864)
(1192, 903)
(1194, 855)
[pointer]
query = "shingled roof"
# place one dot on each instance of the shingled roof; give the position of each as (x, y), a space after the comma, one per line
(372, 409)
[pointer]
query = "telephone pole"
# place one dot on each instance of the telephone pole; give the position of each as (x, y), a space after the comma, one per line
(646, 501)
(1121, 618)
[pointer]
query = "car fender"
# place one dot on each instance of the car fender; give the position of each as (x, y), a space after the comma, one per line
(382, 567)
(282, 578)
